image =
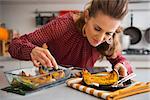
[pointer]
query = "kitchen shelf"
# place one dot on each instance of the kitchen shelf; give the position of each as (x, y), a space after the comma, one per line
(139, 10)
(39, 12)
(138, 1)
(43, 17)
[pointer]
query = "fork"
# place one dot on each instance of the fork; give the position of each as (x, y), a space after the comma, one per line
(130, 76)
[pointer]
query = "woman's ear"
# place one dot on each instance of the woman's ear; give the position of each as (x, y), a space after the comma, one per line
(86, 15)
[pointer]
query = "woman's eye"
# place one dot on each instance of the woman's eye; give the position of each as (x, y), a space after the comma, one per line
(109, 33)
(97, 29)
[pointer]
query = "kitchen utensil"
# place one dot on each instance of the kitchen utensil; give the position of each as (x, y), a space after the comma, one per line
(125, 41)
(33, 72)
(134, 32)
(147, 35)
(130, 76)
(38, 20)
(1, 66)
(41, 19)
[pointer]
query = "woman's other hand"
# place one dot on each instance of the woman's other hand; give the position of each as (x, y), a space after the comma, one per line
(42, 56)
(121, 69)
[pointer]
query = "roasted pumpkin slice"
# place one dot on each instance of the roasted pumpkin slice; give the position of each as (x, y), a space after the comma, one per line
(103, 78)
(42, 71)
(58, 74)
(23, 84)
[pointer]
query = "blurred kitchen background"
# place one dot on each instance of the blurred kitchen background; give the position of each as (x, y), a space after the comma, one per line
(24, 16)
(18, 17)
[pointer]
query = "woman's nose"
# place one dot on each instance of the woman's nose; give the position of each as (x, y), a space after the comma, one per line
(102, 37)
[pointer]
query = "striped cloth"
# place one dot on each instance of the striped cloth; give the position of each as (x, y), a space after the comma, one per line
(135, 88)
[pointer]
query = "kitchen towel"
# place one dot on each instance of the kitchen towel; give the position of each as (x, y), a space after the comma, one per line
(134, 88)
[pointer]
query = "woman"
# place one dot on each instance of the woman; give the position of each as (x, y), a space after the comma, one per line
(77, 39)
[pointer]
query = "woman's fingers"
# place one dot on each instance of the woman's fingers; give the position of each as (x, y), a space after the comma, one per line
(45, 61)
(36, 63)
(54, 63)
(121, 69)
(52, 59)
(43, 56)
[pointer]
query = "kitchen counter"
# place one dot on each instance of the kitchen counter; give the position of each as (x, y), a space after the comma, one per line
(136, 61)
(138, 57)
(61, 92)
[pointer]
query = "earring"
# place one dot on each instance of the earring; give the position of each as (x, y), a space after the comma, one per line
(83, 31)
(85, 20)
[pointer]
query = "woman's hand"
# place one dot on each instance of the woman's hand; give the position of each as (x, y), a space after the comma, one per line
(121, 69)
(43, 56)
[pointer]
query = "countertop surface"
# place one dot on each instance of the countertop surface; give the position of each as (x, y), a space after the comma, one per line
(61, 92)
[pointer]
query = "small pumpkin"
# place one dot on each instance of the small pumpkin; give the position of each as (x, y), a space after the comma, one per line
(3, 34)
(58, 74)
(103, 78)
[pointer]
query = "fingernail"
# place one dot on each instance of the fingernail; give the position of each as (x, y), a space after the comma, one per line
(49, 65)
(45, 65)
(56, 67)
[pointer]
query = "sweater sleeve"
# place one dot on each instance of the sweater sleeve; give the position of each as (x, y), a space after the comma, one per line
(121, 59)
(20, 48)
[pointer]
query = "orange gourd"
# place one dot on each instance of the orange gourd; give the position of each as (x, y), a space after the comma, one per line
(3, 34)
(102, 78)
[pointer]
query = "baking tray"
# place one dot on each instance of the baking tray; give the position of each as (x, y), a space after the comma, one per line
(33, 71)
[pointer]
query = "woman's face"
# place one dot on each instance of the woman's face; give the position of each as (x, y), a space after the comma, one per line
(100, 28)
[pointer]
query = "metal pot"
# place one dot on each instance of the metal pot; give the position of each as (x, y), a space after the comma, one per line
(38, 20)
(134, 32)
(125, 41)
(46, 19)
(41, 20)
(147, 35)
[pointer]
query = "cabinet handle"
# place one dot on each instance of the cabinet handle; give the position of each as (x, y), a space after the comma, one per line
(142, 68)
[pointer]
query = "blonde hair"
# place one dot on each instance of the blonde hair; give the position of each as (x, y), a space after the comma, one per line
(116, 9)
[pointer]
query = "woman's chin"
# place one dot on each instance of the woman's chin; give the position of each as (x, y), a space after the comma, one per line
(94, 45)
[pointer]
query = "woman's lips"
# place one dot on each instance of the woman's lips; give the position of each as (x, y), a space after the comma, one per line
(96, 41)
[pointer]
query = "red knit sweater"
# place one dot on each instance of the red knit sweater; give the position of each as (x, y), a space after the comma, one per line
(65, 43)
